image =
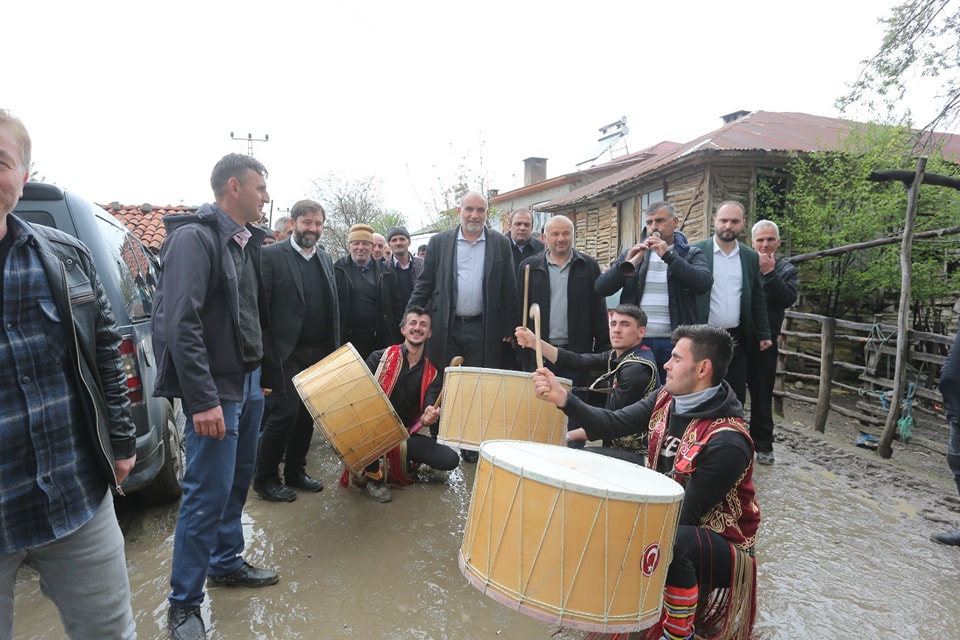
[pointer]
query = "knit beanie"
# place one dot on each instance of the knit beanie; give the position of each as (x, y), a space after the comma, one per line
(361, 233)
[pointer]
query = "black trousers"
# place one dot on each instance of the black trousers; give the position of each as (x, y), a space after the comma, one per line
(737, 372)
(466, 339)
(425, 450)
(700, 556)
(288, 431)
(761, 375)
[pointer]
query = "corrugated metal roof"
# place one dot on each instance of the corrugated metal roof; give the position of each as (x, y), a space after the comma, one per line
(765, 131)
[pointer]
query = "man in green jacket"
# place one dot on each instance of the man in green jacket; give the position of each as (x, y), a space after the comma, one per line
(736, 301)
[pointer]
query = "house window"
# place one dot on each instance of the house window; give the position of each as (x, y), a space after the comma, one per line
(650, 197)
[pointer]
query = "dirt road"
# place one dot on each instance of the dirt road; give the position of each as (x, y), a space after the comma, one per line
(843, 551)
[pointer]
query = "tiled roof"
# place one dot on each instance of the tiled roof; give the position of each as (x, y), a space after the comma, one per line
(145, 220)
(760, 131)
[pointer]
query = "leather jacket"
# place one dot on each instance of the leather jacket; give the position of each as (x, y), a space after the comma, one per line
(94, 344)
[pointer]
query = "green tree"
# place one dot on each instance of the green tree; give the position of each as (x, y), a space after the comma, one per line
(349, 201)
(831, 203)
(921, 38)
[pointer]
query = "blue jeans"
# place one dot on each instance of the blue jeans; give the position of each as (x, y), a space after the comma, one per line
(209, 536)
(84, 573)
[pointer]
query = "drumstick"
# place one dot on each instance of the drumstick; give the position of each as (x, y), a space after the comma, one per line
(535, 314)
(526, 292)
(456, 362)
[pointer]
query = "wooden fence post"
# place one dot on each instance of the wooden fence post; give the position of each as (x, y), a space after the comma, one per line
(827, 346)
(903, 317)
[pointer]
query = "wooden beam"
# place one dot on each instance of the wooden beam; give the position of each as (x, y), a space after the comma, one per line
(847, 248)
(908, 178)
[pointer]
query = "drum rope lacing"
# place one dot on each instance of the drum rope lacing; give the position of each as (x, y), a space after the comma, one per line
(520, 598)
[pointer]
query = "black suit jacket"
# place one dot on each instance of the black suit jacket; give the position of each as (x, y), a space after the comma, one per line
(437, 290)
(286, 304)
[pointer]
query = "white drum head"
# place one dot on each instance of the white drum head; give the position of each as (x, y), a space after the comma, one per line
(581, 471)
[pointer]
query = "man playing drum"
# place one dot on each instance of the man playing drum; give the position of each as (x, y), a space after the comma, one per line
(630, 373)
(411, 382)
(697, 437)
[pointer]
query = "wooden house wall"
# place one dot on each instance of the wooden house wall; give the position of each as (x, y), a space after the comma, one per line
(687, 191)
(596, 232)
(609, 226)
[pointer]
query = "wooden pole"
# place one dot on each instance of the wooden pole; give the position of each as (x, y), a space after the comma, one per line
(903, 315)
(827, 345)
(847, 248)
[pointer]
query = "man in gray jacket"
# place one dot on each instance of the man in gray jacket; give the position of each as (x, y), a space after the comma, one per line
(208, 342)
(65, 430)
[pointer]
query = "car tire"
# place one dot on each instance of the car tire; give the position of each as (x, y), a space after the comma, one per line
(168, 485)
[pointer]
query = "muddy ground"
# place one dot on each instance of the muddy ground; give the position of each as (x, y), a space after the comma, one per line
(843, 551)
(914, 472)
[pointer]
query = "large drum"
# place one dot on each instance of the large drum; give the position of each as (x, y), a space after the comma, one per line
(493, 404)
(570, 537)
(350, 408)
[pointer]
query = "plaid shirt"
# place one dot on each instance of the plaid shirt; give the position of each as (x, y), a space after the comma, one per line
(49, 485)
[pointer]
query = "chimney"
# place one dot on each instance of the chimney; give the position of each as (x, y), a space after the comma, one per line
(733, 117)
(534, 171)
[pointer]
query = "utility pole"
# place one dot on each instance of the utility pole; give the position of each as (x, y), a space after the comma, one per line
(250, 141)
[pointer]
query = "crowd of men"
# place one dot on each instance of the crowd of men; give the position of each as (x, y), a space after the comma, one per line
(237, 316)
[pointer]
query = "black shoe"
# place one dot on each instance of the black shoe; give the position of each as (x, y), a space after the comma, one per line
(185, 623)
(951, 538)
(469, 456)
(273, 491)
(246, 576)
(301, 480)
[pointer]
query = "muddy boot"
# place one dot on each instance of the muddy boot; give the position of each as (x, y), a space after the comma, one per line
(376, 482)
(378, 491)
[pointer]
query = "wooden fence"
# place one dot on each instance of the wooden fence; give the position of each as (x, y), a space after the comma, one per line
(856, 360)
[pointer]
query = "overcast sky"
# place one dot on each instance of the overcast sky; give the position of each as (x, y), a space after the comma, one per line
(135, 102)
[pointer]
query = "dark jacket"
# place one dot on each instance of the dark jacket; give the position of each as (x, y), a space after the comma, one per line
(285, 303)
(627, 379)
(587, 323)
(196, 320)
(413, 272)
(720, 465)
(532, 248)
(389, 311)
(94, 344)
(753, 304)
(437, 290)
(687, 277)
(780, 289)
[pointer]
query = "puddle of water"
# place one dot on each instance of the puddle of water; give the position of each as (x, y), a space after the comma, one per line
(833, 561)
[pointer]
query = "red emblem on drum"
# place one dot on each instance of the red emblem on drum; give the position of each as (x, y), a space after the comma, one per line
(651, 559)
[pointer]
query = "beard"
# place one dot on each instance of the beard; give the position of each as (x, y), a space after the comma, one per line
(473, 227)
(304, 240)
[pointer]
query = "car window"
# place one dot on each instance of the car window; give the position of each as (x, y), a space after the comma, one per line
(137, 276)
(38, 217)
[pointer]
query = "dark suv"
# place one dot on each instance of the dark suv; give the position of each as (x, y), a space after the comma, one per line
(129, 274)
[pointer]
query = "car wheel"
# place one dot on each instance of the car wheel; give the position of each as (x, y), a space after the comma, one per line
(168, 485)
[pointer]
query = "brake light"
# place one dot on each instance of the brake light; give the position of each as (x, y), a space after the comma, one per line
(131, 367)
